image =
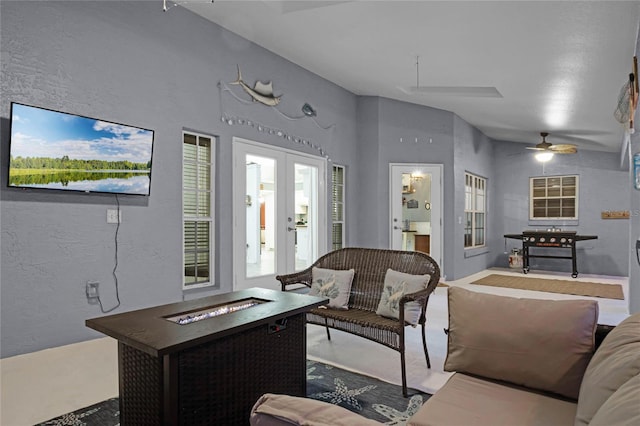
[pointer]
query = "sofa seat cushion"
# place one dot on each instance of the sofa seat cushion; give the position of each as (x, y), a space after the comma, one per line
(285, 410)
(467, 400)
(541, 344)
(615, 362)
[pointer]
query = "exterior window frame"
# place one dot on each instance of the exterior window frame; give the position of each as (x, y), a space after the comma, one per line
(472, 211)
(559, 197)
(338, 207)
(197, 217)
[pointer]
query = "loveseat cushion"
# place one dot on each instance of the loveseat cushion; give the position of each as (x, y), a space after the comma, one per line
(467, 400)
(285, 410)
(334, 284)
(540, 344)
(615, 362)
(396, 285)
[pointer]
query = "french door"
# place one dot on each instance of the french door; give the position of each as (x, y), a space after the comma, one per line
(279, 210)
(416, 208)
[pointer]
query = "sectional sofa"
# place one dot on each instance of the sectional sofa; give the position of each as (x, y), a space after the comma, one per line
(516, 362)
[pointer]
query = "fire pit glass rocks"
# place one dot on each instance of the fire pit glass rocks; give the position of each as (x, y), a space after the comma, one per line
(214, 311)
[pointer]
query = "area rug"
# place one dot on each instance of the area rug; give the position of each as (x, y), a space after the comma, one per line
(367, 396)
(579, 288)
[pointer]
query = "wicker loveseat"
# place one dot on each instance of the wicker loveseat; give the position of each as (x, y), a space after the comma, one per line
(370, 266)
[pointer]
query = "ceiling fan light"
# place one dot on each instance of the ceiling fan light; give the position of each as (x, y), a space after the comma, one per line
(545, 156)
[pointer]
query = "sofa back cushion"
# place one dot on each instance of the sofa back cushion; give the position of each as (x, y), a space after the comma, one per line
(540, 344)
(616, 361)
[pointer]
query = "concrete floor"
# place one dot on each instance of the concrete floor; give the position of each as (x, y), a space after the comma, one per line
(38, 386)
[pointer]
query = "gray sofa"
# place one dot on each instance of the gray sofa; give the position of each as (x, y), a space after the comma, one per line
(516, 362)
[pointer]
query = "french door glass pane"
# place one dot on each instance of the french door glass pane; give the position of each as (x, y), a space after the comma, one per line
(305, 209)
(260, 204)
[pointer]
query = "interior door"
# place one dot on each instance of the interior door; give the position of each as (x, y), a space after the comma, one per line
(416, 208)
(280, 223)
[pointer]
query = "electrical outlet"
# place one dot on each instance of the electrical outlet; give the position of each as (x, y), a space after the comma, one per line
(92, 292)
(114, 216)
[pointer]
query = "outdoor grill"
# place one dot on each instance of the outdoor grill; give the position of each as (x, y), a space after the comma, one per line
(554, 238)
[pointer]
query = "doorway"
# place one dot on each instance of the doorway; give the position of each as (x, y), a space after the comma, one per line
(416, 208)
(279, 210)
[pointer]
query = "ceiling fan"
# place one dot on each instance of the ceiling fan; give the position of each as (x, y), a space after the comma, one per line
(565, 148)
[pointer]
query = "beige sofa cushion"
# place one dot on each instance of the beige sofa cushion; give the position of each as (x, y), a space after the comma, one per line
(466, 400)
(622, 408)
(540, 344)
(614, 363)
(285, 410)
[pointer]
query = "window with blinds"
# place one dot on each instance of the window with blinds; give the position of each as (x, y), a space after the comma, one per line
(197, 209)
(337, 234)
(553, 197)
(475, 206)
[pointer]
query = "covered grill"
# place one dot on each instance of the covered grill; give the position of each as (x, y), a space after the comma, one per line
(554, 238)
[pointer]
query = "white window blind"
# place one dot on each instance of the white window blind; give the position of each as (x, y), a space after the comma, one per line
(338, 227)
(475, 203)
(197, 209)
(553, 197)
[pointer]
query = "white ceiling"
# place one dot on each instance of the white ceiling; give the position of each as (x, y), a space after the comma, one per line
(559, 65)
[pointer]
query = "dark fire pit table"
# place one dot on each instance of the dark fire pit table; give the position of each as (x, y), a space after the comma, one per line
(550, 239)
(206, 361)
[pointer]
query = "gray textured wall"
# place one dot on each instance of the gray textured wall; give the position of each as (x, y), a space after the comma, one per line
(603, 186)
(132, 63)
(473, 153)
(407, 121)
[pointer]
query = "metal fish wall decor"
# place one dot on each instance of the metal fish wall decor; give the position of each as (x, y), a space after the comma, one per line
(261, 92)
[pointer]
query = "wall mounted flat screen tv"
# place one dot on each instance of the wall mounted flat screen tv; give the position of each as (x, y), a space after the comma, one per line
(56, 150)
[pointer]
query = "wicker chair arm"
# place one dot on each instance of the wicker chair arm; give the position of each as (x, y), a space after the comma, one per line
(418, 296)
(302, 277)
(421, 296)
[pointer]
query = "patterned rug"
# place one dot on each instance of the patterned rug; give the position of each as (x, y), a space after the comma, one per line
(575, 287)
(369, 397)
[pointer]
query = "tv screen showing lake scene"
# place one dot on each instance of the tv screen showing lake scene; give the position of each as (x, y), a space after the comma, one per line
(57, 150)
